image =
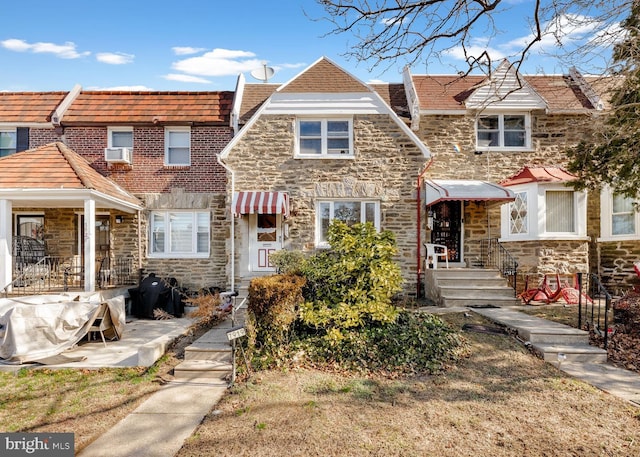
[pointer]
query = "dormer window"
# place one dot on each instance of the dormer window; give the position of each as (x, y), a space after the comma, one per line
(503, 131)
(325, 138)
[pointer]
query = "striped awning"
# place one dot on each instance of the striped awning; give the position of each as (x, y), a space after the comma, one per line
(465, 190)
(257, 202)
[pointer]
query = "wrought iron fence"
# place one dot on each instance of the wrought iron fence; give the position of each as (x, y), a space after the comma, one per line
(56, 274)
(494, 255)
(594, 306)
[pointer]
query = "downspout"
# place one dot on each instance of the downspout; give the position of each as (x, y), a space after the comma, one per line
(419, 226)
(233, 234)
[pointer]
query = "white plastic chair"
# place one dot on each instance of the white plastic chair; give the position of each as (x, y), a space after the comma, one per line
(433, 252)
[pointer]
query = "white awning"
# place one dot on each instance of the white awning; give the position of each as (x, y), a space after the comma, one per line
(439, 190)
(256, 202)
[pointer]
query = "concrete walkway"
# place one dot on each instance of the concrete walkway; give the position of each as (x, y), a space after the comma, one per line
(159, 427)
(616, 381)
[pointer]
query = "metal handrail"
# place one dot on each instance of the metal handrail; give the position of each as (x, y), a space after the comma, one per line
(494, 255)
(593, 307)
(24, 275)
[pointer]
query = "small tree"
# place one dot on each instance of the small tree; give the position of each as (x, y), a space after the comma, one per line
(352, 284)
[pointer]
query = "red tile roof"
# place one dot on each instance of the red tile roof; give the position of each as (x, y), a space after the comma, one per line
(55, 166)
(448, 92)
(29, 107)
(126, 108)
(538, 174)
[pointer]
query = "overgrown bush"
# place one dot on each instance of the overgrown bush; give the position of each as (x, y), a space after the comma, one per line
(341, 315)
(352, 284)
(288, 262)
(413, 343)
(273, 308)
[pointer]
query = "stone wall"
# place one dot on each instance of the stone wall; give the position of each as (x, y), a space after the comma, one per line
(537, 258)
(551, 135)
(193, 273)
(385, 168)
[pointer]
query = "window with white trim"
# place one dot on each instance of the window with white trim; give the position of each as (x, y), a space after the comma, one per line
(560, 213)
(324, 138)
(179, 234)
(120, 137)
(619, 217)
(8, 142)
(518, 214)
(350, 212)
(503, 131)
(177, 146)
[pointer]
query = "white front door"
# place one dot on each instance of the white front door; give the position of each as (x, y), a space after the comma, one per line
(265, 233)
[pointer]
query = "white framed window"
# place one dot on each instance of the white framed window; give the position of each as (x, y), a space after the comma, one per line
(560, 211)
(179, 234)
(619, 217)
(349, 211)
(177, 146)
(503, 131)
(519, 214)
(542, 211)
(120, 137)
(324, 138)
(8, 142)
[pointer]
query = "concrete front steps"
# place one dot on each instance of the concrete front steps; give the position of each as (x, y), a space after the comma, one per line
(552, 341)
(209, 359)
(462, 287)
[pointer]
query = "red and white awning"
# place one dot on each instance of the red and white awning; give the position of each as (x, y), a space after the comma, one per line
(465, 190)
(257, 202)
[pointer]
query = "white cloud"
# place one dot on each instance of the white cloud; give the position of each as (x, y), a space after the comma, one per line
(186, 78)
(185, 50)
(123, 88)
(390, 21)
(290, 66)
(63, 51)
(218, 62)
(475, 50)
(114, 58)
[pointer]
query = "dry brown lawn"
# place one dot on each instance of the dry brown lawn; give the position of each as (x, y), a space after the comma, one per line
(501, 401)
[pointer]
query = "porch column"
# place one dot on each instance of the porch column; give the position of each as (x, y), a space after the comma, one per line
(6, 270)
(89, 245)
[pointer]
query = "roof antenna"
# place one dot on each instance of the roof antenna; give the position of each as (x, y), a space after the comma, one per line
(263, 74)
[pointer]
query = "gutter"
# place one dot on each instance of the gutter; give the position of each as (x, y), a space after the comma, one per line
(419, 225)
(233, 234)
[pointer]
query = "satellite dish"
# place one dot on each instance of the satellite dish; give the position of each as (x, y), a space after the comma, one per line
(263, 74)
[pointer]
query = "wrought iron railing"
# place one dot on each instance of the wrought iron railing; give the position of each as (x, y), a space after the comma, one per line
(494, 255)
(594, 306)
(55, 274)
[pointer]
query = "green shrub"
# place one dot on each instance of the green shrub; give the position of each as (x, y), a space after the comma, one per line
(352, 284)
(288, 262)
(414, 343)
(273, 307)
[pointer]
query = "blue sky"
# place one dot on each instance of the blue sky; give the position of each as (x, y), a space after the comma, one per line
(198, 44)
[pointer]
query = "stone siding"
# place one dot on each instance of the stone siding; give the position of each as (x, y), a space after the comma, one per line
(193, 273)
(551, 135)
(385, 168)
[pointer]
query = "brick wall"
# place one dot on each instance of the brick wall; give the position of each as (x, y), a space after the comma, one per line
(147, 173)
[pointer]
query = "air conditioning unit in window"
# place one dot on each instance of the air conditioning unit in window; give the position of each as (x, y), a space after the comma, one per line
(117, 155)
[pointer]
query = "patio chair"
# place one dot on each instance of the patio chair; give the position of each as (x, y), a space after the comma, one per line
(433, 252)
(101, 322)
(541, 292)
(571, 292)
